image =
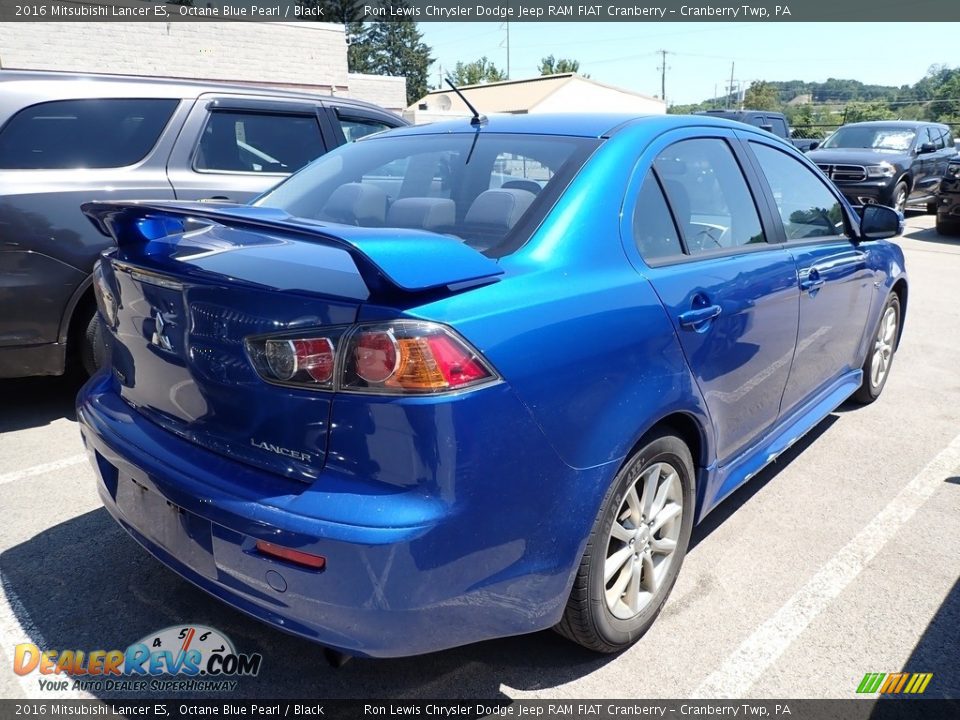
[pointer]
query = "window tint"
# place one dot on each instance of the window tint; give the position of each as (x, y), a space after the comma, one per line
(708, 195)
(779, 126)
(653, 229)
(435, 183)
(258, 142)
(808, 209)
(356, 128)
(83, 133)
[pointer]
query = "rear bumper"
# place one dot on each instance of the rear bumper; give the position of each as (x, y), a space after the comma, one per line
(432, 567)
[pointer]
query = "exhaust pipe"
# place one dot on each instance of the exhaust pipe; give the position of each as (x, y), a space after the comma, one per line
(335, 658)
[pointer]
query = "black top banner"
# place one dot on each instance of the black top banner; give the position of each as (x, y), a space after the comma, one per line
(341, 11)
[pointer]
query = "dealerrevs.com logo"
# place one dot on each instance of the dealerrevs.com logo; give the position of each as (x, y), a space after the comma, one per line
(178, 658)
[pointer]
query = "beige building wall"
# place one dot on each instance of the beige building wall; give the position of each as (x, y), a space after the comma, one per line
(308, 56)
(579, 95)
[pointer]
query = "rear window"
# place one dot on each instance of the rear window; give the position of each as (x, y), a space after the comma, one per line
(99, 133)
(489, 190)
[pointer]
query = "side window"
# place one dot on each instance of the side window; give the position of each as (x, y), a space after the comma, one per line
(947, 140)
(779, 127)
(708, 195)
(258, 142)
(653, 229)
(355, 128)
(101, 133)
(808, 209)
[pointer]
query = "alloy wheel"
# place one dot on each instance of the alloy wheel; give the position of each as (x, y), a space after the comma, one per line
(883, 346)
(642, 540)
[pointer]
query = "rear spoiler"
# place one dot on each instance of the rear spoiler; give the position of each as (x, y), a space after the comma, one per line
(407, 260)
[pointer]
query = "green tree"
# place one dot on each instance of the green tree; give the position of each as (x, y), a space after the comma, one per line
(553, 66)
(861, 111)
(391, 48)
(761, 95)
(477, 72)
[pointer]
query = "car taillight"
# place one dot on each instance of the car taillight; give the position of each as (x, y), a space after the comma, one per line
(304, 361)
(410, 357)
(393, 358)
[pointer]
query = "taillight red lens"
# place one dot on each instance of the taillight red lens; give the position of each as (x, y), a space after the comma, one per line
(458, 366)
(316, 357)
(307, 361)
(410, 357)
(376, 356)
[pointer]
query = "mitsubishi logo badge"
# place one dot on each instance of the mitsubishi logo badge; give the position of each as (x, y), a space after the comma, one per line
(159, 337)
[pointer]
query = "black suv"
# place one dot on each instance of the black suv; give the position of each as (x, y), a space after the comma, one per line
(948, 200)
(889, 162)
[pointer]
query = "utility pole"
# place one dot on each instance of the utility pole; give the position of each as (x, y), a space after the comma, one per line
(731, 78)
(663, 74)
(506, 26)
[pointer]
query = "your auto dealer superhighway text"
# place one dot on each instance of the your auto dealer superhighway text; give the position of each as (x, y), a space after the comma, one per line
(522, 12)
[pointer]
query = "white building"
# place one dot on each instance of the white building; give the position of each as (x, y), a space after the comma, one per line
(565, 92)
(309, 56)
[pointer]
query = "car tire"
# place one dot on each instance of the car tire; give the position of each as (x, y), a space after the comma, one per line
(597, 616)
(883, 347)
(899, 196)
(946, 227)
(93, 345)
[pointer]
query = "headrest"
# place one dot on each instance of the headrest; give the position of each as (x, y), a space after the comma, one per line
(422, 212)
(357, 204)
(501, 208)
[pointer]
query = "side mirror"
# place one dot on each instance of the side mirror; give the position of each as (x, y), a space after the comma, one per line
(927, 147)
(814, 145)
(878, 222)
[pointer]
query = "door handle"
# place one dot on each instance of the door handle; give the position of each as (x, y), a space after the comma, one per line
(216, 198)
(692, 318)
(811, 281)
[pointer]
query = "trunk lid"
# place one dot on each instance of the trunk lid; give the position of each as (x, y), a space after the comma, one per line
(189, 284)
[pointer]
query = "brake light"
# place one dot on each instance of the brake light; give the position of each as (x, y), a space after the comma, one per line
(392, 358)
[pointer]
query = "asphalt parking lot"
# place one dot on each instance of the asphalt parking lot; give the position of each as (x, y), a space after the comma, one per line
(842, 558)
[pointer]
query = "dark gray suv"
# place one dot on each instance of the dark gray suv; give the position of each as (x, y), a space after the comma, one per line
(66, 139)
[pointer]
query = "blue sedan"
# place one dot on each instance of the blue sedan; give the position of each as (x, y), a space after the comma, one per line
(480, 378)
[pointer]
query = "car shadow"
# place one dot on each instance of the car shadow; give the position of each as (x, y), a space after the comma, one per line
(84, 584)
(930, 235)
(938, 649)
(742, 495)
(38, 401)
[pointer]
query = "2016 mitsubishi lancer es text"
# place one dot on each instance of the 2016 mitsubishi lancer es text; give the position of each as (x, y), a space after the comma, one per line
(480, 378)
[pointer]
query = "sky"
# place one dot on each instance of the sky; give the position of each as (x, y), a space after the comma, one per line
(700, 54)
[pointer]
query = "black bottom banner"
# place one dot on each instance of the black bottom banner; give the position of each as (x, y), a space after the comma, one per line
(884, 709)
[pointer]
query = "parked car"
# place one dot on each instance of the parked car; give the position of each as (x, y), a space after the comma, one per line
(948, 200)
(773, 122)
(66, 139)
(399, 419)
(894, 163)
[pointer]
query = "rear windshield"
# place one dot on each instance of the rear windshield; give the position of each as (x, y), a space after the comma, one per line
(490, 190)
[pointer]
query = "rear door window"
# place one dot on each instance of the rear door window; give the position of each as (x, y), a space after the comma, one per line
(89, 133)
(356, 127)
(258, 142)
